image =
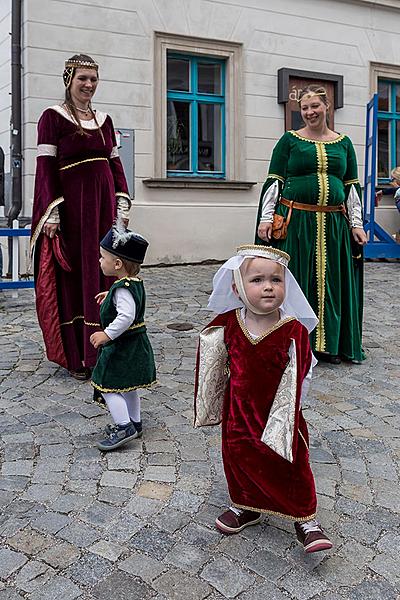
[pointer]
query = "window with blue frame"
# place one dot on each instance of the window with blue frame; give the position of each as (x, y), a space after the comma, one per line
(195, 116)
(388, 128)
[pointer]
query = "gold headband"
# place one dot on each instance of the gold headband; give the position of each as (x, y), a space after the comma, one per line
(310, 95)
(81, 63)
(71, 65)
(264, 252)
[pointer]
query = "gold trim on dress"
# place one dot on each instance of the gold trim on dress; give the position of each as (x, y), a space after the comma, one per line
(338, 139)
(84, 322)
(320, 254)
(43, 220)
(80, 162)
(274, 512)
(120, 390)
(136, 326)
(275, 176)
(303, 438)
(258, 339)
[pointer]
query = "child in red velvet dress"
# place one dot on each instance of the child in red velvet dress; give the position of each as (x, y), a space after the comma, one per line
(266, 321)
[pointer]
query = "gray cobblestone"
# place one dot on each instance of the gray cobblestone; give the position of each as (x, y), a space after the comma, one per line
(150, 508)
(10, 562)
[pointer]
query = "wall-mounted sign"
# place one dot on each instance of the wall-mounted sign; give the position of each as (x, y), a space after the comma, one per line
(292, 81)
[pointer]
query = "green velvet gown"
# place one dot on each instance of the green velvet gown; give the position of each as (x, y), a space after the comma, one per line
(326, 262)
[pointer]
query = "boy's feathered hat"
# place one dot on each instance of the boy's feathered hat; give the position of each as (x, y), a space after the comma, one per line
(124, 243)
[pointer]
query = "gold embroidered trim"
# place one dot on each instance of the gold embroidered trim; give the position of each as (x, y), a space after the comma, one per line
(275, 176)
(320, 254)
(128, 278)
(256, 340)
(123, 195)
(42, 221)
(351, 181)
(80, 162)
(256, 247)
(136, 326)
(128, 389)
(300, 137)
(84, 322)
(274, 512)
(303, 438)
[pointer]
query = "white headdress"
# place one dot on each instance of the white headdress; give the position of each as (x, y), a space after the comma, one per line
(224, 299)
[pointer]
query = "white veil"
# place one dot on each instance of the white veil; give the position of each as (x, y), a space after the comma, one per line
(224, 299)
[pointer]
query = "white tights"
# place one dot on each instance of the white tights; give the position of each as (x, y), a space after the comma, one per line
(123, 406)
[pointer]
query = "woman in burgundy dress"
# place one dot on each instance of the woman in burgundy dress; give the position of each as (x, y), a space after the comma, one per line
(79, 186)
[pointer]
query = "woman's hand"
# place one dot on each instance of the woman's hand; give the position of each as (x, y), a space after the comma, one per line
(100, 297)
(99, 338)
(50, 229)
(265, 231)
(359, 235)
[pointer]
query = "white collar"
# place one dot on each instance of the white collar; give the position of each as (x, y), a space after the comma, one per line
(100, 116)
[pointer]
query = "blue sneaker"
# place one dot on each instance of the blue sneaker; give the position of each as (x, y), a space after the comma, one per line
(111, 427)
(120, 435)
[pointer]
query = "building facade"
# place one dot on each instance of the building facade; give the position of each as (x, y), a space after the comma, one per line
(208, 87)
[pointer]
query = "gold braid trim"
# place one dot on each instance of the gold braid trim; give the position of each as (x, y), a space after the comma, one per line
(128, 389)
(275, 176)
(303, 438)
(142, 324)
(274, 512)
(81, 162)
(300, 137)
(264, 335)
(43, 220)
(84, 322)
(323, 184)
(351, 181)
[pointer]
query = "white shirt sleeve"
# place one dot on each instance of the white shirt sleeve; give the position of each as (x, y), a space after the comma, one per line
(354, 208)
(126, 309)
(268, 203)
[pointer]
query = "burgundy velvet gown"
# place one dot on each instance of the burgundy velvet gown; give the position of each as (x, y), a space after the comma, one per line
(258, 478)
(82, 175)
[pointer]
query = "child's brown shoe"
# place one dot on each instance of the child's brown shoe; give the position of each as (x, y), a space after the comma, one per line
(311, 536)
(235, 519)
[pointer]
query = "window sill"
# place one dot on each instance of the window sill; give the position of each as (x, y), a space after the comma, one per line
(197, 183)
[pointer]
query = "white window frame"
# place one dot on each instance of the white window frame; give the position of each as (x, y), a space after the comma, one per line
(231, 52)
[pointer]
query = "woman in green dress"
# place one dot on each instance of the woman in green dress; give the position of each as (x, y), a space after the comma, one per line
(316, 168)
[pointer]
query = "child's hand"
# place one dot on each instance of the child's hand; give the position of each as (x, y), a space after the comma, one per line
(98, 339)
(100, 297)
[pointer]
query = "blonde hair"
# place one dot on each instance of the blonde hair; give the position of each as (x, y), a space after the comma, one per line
(395, 174)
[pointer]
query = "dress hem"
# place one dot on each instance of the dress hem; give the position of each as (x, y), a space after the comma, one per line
(121, 390)
(276, 513)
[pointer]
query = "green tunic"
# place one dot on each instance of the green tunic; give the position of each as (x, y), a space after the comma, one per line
(126, 363)
(324, 259)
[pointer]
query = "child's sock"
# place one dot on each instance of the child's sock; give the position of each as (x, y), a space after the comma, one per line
(132, 400)
(117, 407)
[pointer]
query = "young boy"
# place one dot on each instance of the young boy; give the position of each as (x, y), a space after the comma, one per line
(266, 321)
(125, 361)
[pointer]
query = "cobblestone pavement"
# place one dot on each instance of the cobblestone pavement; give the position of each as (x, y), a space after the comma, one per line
(138, 523)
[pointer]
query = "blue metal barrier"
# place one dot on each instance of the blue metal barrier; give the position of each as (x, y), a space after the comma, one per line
(15, 282)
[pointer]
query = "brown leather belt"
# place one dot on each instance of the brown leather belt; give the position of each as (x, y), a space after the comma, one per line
(313, 207)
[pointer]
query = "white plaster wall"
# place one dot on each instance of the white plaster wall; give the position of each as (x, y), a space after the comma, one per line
(5, 78)
(191, 225)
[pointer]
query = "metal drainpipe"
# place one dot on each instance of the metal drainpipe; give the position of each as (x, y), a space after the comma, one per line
(16, 134)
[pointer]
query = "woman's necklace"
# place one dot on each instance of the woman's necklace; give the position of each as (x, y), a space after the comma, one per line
(86, 111)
